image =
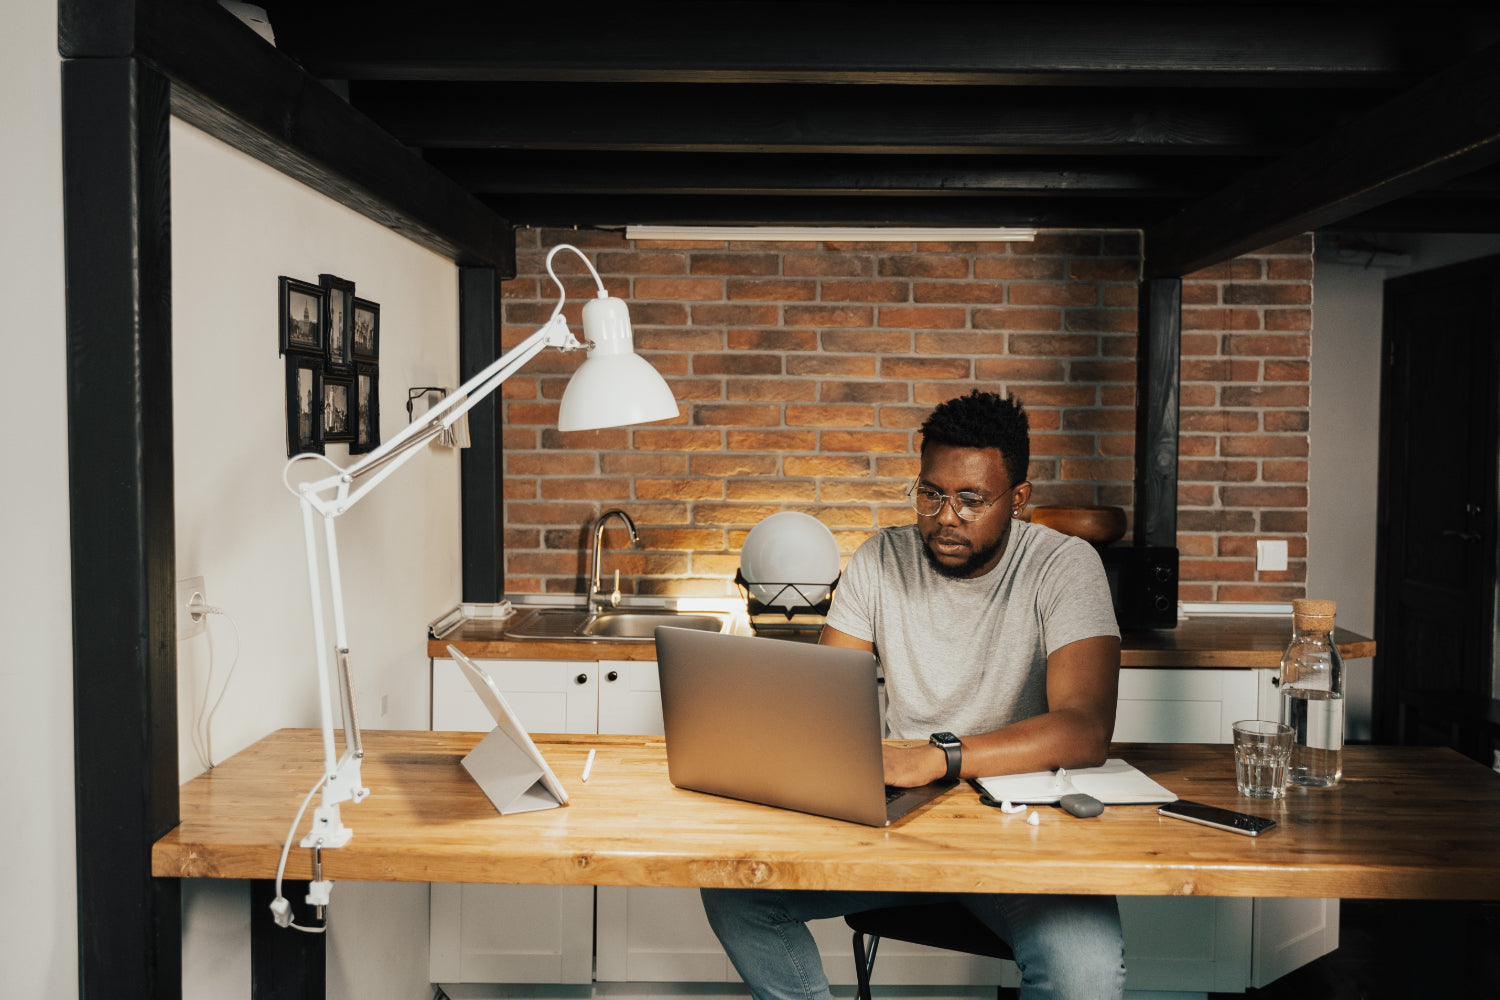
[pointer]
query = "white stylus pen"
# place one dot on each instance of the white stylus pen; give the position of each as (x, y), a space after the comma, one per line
(588, 765)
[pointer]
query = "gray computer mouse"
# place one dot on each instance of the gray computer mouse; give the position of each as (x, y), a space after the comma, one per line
(1080, 805)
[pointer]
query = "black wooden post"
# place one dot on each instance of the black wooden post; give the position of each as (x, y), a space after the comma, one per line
(119, 343)
(1156, 411)
(479, 504)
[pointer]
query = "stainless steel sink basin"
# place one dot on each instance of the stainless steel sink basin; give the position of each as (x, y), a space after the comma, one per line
(642, 624)
(614, 625)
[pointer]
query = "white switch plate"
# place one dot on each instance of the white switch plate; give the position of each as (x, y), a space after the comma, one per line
(186, 627)
(1270, 555)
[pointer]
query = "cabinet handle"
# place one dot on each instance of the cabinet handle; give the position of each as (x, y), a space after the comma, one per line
(581, 679)
(613, 675)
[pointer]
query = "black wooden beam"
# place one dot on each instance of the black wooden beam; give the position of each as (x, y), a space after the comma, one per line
(285, 964)
(1440, 129)
(569, 172)
(852, 42)
(482, 550)
(237, 88)
(116, 198)
(1158, 358)
(834, 119)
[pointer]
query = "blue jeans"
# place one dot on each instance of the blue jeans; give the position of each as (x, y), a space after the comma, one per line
(1065, 946)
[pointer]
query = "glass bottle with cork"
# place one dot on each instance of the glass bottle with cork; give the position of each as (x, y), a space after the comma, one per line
(1312, 695)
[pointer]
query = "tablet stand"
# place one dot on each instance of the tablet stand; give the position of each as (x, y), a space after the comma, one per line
(508, 776)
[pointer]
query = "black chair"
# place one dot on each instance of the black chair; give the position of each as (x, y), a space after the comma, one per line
(937, 925)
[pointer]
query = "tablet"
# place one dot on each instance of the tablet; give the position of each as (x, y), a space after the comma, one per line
(507, 723)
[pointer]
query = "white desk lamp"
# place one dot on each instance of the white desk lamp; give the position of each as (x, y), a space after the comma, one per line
(614, 386)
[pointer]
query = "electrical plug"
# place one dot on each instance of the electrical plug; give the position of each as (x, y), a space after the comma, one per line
(281, 910)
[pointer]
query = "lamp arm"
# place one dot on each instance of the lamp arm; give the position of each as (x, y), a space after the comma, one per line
(331, 498)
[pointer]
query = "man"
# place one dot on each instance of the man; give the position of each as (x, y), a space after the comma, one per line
(988, 627)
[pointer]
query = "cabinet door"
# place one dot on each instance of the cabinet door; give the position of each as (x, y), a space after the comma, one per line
(515, 933)
(1183, 706)
(548, 696)
(629, 698)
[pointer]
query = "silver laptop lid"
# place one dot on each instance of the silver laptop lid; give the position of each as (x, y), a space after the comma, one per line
(786, 724)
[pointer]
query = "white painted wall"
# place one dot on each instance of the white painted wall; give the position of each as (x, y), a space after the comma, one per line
(38, 910)
(236, 225)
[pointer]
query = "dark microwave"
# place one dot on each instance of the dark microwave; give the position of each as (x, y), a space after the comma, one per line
(1142, 584)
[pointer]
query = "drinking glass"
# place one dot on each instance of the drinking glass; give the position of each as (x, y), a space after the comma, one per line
(1262, 751)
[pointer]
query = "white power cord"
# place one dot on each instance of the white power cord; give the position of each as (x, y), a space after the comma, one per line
(317, 890)
(203, 724)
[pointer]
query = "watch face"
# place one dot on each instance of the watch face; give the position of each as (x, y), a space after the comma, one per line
(945, 739)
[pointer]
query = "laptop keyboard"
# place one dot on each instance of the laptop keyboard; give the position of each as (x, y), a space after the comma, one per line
(892, 793)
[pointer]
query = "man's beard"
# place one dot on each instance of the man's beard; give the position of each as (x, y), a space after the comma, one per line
(964, 569)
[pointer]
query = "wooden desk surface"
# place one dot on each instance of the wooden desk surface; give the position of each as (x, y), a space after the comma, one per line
(1407, 823)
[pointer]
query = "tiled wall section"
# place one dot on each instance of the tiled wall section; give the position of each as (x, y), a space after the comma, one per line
(804, 369)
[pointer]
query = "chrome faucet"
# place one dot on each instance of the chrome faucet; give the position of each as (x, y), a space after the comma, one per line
(596, 598)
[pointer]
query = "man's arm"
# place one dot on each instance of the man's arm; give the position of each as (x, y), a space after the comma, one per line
(1083, 680)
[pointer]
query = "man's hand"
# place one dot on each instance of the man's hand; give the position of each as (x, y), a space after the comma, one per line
(909, 763)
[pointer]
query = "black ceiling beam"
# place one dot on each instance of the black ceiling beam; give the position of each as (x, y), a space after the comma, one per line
(686, 210)
(1440, 129)
(859, 42)
(231, 84)
(567, 172)
(810, 119)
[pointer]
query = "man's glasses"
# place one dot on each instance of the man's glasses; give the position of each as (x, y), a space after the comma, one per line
(928, 502)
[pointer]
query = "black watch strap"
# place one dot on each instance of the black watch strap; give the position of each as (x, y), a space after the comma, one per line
(953, 750)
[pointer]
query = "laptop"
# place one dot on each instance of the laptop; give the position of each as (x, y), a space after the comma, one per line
(788, 724)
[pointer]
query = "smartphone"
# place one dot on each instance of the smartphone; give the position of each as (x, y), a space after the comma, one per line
(1223, 819)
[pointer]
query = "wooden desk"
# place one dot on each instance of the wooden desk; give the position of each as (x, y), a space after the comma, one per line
(1407, 823)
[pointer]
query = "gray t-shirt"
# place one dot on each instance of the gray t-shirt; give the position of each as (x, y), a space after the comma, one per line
(970, 656)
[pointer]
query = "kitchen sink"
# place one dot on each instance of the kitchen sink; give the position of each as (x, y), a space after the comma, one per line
(614, 625)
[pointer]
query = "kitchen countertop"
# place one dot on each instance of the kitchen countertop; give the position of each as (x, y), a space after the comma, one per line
(1211, 641)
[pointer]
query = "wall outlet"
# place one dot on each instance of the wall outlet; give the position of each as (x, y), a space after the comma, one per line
(186, 626)
(1270, 555)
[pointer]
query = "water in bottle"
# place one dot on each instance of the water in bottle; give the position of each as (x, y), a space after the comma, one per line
(1312, 695)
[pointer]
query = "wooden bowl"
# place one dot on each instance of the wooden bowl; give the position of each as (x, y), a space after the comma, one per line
(1099, 525)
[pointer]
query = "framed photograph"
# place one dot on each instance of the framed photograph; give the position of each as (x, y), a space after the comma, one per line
(366, 330)
(301, 311)
(338, 323)
(366, 409)
(304, 404)
(338, 407)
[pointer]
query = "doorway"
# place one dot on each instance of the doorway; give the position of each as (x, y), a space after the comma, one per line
(1436, 561)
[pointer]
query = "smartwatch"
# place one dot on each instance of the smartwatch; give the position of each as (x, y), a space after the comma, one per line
(954, 750)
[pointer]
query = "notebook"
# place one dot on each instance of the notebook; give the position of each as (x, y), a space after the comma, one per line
(788, 724)
(1114, 783)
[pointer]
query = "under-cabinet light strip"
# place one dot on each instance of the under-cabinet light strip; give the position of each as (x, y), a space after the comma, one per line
(882, 234)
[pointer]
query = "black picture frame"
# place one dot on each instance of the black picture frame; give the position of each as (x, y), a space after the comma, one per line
(300, 312)
(366, 343)
(338, 322)
(366, 409)
(339, 403)
(304, 404)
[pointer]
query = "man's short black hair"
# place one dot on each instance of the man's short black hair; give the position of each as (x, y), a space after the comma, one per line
(983, 420)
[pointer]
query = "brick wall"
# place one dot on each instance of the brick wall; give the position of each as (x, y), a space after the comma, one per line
(804, 369)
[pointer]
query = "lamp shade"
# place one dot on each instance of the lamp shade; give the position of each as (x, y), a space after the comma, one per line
(614, 386)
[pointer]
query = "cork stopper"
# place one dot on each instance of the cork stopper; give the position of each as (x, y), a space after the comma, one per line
(1309, 613)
